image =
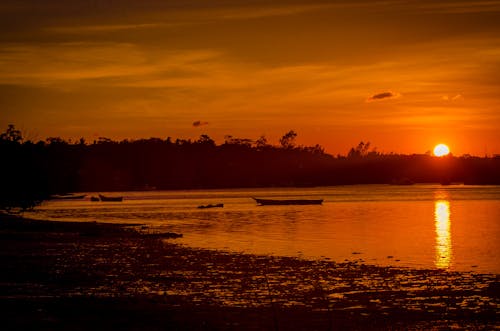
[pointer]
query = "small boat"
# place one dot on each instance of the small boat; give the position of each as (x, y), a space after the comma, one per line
(67, 196)
(269, 202)
(219, 205)
(94, 199)
(110, 199)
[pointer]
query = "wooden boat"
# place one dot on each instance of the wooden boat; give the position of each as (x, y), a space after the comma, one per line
(110, 199)
(219, 205)
(67, 197)
(269, 202)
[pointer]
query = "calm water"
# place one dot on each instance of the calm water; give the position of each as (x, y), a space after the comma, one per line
(422, 226)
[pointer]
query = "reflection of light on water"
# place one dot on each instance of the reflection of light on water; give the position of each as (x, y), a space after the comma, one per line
(443, 235)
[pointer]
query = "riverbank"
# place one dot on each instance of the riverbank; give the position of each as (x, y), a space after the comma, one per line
(79, 276)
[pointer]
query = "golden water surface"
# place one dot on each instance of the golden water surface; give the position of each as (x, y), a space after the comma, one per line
(421, 226)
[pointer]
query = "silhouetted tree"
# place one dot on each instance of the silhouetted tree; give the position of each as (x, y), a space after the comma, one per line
(230, 140)
(359, 151)
(11, 134)
(56, 141)
(206, 140)
(261, 142)
(316, 149)
(288, 139)
(104, 140)
(23, 176)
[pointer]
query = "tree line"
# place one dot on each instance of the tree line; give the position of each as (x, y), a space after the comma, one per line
(32, 171)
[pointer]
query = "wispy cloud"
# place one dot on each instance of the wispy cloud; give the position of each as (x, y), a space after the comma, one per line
(106, 28)
(123, 63)
(459, 7)
(252, 11)
(199, 123)
(172, 16)
(455, 97)
(383, 96)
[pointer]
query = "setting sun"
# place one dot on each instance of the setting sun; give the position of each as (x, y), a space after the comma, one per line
(441, 150)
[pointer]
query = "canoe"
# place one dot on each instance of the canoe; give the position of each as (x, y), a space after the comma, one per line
(110, 199)
(269, 202)
(219, 205)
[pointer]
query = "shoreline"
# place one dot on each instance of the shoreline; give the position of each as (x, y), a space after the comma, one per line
(60, 275)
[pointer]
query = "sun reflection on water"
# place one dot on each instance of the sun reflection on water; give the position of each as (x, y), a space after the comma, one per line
(443, 234)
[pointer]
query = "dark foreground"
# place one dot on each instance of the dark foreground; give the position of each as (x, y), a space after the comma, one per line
(93, 276)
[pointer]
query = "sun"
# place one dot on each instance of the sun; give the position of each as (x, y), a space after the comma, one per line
(441, 150)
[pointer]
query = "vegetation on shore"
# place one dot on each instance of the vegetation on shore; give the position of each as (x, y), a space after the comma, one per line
(31, 171)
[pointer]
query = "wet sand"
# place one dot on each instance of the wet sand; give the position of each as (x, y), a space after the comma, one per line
(80, 276)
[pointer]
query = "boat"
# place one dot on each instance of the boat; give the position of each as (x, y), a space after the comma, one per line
(94, 199)
(67, 196)
(269, 202)
(219, 205)
(110, 199)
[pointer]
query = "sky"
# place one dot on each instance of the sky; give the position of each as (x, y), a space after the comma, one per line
(403, 75)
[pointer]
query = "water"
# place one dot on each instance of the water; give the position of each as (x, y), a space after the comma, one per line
(419, 226)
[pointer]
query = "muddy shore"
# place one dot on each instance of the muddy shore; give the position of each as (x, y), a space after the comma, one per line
(81, 276)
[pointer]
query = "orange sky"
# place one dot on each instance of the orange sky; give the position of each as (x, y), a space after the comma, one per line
(404, 75)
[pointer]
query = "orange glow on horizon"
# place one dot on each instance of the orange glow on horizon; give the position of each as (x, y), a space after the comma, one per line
(403, 80)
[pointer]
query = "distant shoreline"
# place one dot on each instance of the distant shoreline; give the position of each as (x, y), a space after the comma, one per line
(57, 166)
(279, 187)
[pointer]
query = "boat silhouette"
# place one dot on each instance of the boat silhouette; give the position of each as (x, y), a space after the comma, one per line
(269, 202)
(110, 199)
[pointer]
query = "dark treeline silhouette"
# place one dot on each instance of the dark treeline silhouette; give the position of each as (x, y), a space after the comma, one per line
(24, 172)
(32, 171)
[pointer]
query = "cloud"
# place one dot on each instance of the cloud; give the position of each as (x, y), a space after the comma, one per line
(199, 123)
(382, 96)
(460, 7)
(106, 28)
(121, 64)
(456, 97)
